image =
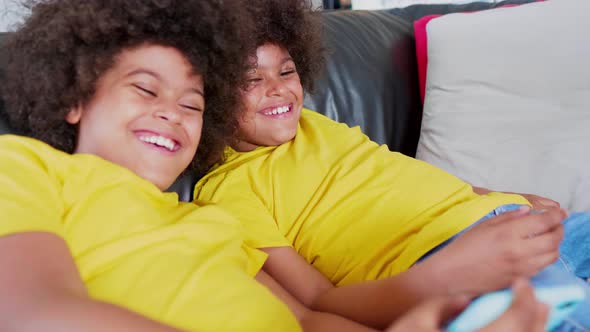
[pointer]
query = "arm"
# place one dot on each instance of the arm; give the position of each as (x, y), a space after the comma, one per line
(537, 202)
(486, 258)
(374, 303)
(525, 314)
(308, 319)
(42, 291)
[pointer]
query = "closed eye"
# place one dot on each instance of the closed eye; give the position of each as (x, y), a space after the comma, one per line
(145, 91)
(192, 108)
(288, 72)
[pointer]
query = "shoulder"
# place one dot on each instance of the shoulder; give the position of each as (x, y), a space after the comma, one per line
(25, 145)
(317, 131)
(24, 153)
(314, 122)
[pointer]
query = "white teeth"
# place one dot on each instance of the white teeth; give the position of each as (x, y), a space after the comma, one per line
(160, 141)
(278, 110)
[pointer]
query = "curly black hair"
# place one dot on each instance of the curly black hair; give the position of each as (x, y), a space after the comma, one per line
(56, 57)
(294, 25)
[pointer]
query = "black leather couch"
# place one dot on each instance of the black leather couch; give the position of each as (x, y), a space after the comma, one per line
(371, 75)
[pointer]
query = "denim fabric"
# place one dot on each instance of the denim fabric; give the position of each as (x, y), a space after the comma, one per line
(573, 264)
(496, 212)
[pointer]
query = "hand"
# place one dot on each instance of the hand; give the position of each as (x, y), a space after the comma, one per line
(431, 315)
(525, 314)
(493, 253)
(540, 203)
(537, 202)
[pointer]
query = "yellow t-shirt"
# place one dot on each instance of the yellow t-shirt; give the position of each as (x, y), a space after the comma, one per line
(179, 263)
(352, 208)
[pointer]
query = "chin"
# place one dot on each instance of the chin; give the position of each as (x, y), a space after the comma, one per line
(285, 139)
(156, 179)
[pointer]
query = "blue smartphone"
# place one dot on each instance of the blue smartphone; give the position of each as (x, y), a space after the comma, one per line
(561, 299)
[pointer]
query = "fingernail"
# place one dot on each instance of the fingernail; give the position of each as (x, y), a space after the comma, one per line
(524, 208)
(538, 211)
(519, 283)
(462, 300)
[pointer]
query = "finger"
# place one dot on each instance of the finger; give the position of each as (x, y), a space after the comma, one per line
(535, 264)
(536, 224)
(524, 294)
(532, 254)
(521, 314)
(536, 200)
(545, 242)
(539, 202)
(430, 315)
(527, 306)
(441, 309)
(547, 202)
(452, 308)
(511, 215)
(520, 311)
(542, 314)
(524, 303)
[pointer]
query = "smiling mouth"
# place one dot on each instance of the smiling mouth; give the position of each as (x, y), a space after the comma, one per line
(160, 142)
(278, 110)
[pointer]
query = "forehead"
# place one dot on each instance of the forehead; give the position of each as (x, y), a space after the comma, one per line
(165, 60)
(271, 54)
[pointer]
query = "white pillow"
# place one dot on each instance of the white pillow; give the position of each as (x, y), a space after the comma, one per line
(507, 102)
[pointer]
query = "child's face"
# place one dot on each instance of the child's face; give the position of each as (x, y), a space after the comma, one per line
(273, 100)
(146, 114)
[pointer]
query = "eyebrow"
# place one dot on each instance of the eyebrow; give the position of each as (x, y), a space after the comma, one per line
(159, 78)
(285, 60)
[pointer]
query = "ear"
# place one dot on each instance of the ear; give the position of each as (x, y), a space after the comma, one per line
(74, 115)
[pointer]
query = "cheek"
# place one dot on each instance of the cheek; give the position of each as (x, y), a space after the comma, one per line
(296, 89)
(194, 131)
(251, 100)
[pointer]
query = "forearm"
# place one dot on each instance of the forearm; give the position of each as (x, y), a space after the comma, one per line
(69, 313)
(480, 190)
(377, 303)
(42, 291)
(314, 321)
(310, 320)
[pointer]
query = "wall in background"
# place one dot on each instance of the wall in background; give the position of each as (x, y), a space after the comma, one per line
(317, 3)
(381, 4)
(11, 12)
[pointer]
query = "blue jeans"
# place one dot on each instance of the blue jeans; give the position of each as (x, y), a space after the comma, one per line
(573, 264)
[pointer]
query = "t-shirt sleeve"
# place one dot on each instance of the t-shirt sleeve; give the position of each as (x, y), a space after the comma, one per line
(260, 228)
(29, 191)
(256, 259)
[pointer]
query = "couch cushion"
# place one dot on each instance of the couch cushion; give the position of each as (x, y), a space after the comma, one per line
(511, 111)
(415, 12)
(371, 77)
(420, 34)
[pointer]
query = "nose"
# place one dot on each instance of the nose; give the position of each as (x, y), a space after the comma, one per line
(168, 112)
(275, 87)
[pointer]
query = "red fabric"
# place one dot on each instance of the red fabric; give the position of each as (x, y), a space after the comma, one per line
(422, 47)
(422, 50)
